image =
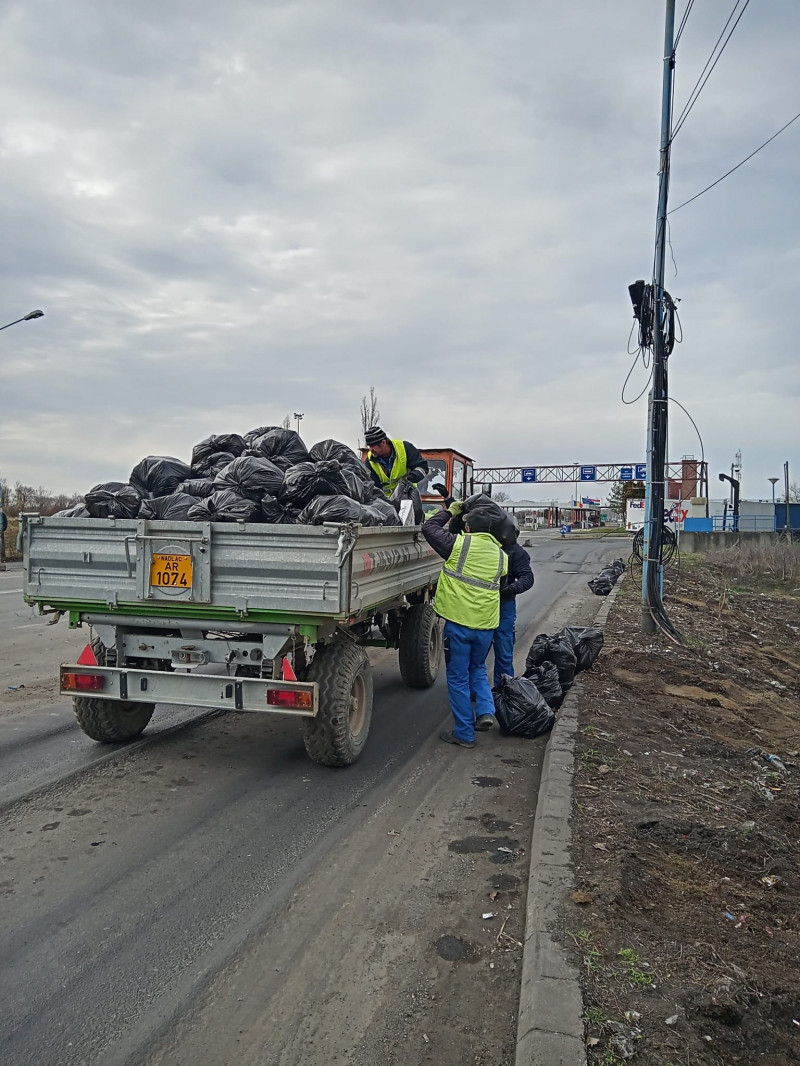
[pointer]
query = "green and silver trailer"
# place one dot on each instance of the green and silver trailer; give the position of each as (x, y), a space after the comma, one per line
(247, 617)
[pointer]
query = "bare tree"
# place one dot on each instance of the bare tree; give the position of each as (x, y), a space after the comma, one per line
(500, 497)
(794, 492)
(370, 413)
(287, 422)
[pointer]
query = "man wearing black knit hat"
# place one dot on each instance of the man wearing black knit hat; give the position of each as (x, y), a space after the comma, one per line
(391, 461)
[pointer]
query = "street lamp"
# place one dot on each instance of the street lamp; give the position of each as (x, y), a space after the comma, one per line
(298, 416)
(3, 520)
(25, 318)
(735, 485)
(772, 481)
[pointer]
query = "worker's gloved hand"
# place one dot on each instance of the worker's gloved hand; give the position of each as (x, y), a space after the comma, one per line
(440, 488)
(456, 507)
(416, 475)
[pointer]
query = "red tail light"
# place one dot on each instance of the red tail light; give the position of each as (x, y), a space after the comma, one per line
(284, 697)
(83, 682)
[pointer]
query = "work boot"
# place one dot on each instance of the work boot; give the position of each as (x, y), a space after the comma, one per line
(485, 722)
(449, 737)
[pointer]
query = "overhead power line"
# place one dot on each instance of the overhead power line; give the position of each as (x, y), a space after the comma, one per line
(682, 26)
(699, 85)
(729, 172)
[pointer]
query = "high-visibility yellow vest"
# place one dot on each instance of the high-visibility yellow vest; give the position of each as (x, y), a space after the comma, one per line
(399, 467)
(468, 591)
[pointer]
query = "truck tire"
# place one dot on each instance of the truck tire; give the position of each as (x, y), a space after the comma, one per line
(420, 646)
(336, 737)
(110, 721)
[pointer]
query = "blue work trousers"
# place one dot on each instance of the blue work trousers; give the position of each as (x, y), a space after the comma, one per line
(465, 658)
(504, 637)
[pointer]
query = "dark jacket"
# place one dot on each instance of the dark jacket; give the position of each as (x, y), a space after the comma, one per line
(439, 538)
(417, 466)
(520, 575)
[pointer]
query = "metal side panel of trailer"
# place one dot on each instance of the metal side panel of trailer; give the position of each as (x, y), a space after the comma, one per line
(233, 569)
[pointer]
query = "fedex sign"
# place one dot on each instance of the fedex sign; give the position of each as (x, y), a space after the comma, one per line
(674, 516)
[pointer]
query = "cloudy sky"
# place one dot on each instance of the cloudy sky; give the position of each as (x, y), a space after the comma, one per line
(230, 212)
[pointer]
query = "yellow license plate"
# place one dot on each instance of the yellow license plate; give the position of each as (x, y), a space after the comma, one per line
(171, 571)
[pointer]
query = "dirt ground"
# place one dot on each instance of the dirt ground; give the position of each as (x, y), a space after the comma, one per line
(685, 921)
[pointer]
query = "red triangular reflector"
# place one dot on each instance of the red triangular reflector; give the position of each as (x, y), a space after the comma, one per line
(87, 657)
(288, 672)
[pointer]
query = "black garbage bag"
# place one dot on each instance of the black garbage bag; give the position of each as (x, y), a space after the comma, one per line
(159, 475)
(272, 510)
(78, 511)
(175, 507)
(558, 651)
(225, 506)
(601, 585)
(357, 488)
(521, 709)
(250, 476)
(254, 434)
(201, 487)
(212, 464)
(282, 444)
(545, 677)
(618, 566)
(586, 641)
(303, 481)
(113, 499)
(334, 449)
(221, 442)
(379, 513)
(331, 509)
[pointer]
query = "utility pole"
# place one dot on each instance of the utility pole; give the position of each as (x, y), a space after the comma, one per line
(788, 508)
(657, 418)
(298, 417)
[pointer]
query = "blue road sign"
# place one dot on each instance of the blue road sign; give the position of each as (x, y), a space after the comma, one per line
(626, 473)
(529, 473)
(641, 471)
(588, 473)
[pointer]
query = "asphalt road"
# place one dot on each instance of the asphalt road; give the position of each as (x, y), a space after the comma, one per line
(132, 878)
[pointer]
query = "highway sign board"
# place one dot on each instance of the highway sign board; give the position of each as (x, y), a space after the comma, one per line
(626, 473)
(641, 471)
(588, 473)
(529, 473)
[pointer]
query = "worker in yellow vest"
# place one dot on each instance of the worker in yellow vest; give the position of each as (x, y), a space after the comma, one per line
(468, 598)
(390, 461)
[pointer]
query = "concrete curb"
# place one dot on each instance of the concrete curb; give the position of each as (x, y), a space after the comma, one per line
(550, 1024)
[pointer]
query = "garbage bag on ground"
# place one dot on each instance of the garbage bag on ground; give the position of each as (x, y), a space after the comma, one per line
(280, 444)
(601, 585)
(586, 641)
(159, 475)
(78, 511)
(521, 709)
(225, 506)
(250, 476)
(331, 509)
(558, 651)
(201, 487)
(380, 513)
(212, 464)
(175, 507)
(618, 566)
(113, 499)
(221, 442)
(545, 677)
(303, 481)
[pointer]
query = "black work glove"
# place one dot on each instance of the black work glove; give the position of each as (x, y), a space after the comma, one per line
(506, 594)
(440, 488)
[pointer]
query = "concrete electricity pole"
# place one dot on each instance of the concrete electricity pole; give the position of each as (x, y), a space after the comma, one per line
(788, 508)
(657, 420)
(3, 520)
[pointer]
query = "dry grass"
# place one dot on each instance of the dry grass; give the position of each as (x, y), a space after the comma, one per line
(778, 562)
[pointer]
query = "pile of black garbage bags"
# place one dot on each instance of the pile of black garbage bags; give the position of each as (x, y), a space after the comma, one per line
(266, 475)
(525, 706)
(607, 578)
